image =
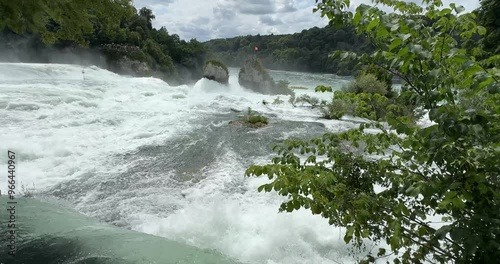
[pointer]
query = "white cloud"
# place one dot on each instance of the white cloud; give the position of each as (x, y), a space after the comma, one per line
(207, 19)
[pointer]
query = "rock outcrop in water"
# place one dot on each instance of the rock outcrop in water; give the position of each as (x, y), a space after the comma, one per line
(251, 119)
(253, 76)
(216, 70)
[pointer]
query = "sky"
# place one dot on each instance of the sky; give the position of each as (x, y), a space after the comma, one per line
(209, 19)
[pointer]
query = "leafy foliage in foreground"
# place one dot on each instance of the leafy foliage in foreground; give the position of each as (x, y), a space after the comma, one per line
(489, 17)
(372, 106)
(384, 186)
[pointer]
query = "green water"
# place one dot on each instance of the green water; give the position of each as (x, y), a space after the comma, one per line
(50, 232)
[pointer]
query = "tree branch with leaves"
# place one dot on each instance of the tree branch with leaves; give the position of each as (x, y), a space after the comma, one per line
(447, 170)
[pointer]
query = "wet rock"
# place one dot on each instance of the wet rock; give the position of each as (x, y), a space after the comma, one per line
(216, 70)
(133, 67)
(253, 76)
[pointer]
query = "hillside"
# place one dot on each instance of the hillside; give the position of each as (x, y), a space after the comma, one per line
(305, 51)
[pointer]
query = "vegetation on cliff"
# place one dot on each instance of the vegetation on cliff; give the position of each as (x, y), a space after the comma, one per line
(126, 33)
(217, 63)
(216, 70)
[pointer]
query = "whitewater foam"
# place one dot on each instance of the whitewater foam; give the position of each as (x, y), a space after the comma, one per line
(142, 154)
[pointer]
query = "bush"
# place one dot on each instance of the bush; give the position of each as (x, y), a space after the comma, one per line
(277, 101)
(334, 110)
(313, 101)
(322, 88)
(291, 99)
(371, 106)
(254, 119)
(381, 75)
(217, 63)
(367, 83)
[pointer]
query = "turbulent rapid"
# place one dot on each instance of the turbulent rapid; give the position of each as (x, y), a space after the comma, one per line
(132, 170)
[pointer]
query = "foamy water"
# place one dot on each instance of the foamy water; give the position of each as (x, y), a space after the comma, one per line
(162, 160)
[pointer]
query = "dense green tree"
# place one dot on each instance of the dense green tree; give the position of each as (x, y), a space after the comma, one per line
(148, 15)
(69, 20)
(424, 193)
(489, 17)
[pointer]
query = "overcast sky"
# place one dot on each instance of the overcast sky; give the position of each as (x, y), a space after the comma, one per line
(209, 19)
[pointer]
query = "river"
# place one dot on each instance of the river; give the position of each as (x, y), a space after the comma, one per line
(132, 170)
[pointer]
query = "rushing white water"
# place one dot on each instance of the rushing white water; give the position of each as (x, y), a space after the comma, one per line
(162, 160)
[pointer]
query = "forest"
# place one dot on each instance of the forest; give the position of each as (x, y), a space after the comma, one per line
(306, 51)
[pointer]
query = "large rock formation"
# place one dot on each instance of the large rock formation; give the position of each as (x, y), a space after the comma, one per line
(216, 70)
(133, 67)
(127, 59)
(253, 76)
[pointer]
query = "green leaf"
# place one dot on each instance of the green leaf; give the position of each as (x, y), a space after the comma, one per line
(406, 37)
(481, 30)
(403, 52)
(373, 24)
(382, 32)
(445, 11)
(475, 68)
(485, 83)
(365, 233)
(460, 58)
(349, 234)
(459, 9)
(357, 18)
(413, 191)
(395, 43)
(441, 232)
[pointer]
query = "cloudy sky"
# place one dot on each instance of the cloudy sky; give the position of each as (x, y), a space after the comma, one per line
(208, 19)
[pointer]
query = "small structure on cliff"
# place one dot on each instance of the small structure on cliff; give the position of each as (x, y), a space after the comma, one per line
(215, 70)
(253, 76)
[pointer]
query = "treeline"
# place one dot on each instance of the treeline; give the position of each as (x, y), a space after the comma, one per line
(115, 28)
(305, 51)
